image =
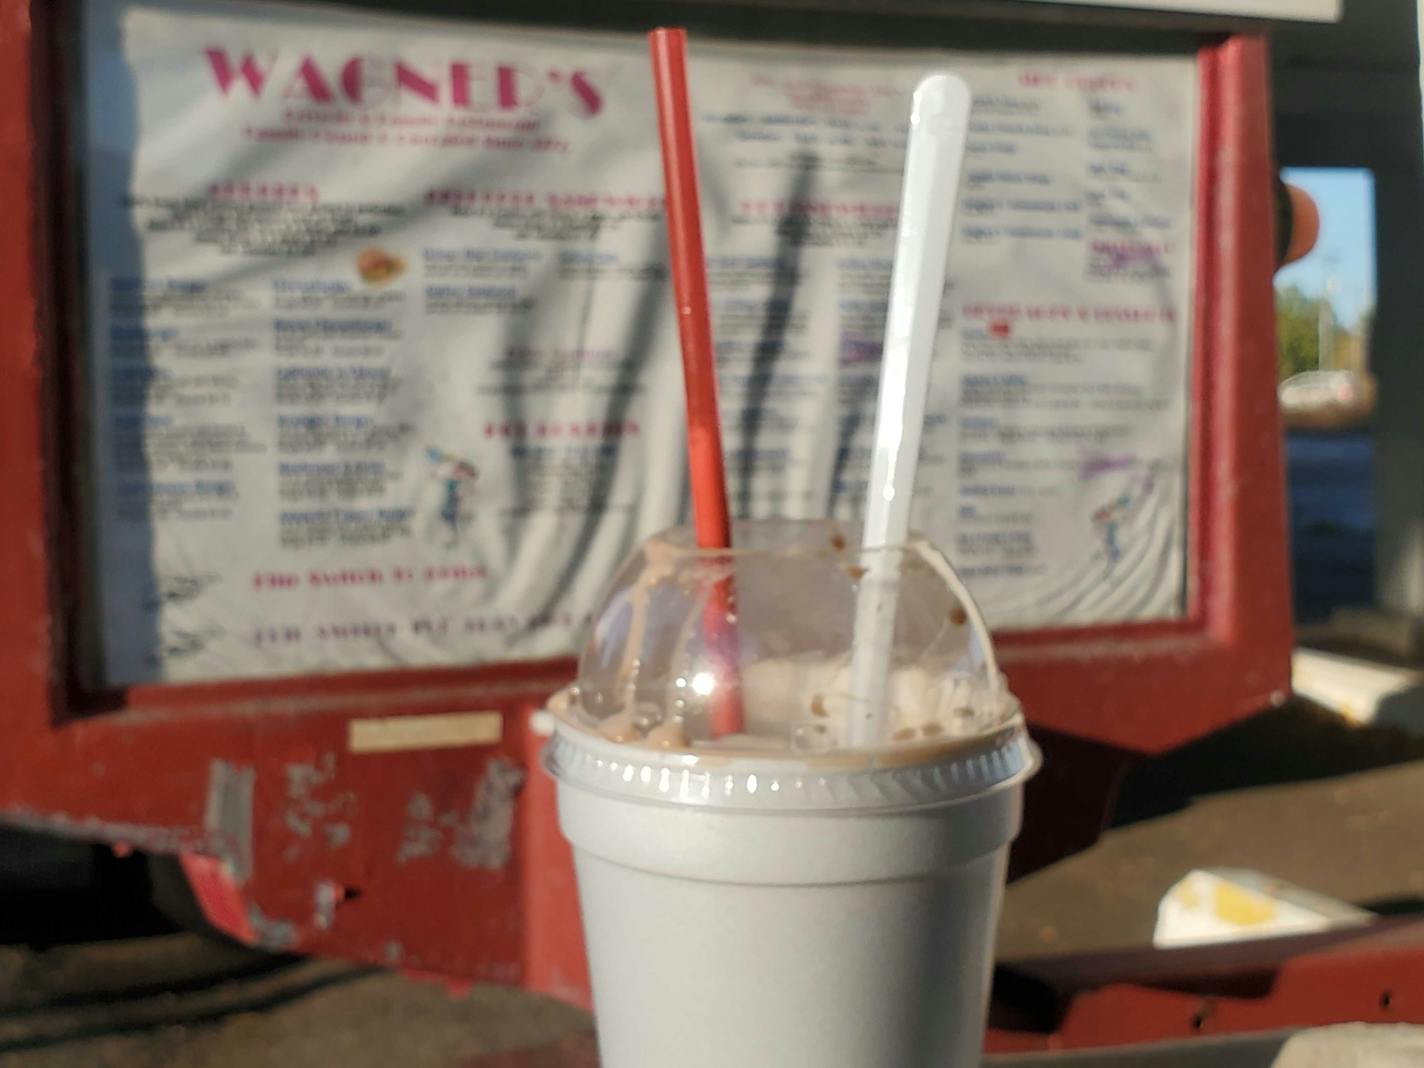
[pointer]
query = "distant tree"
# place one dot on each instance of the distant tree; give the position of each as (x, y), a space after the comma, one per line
(1365, 326)
(1297, 332)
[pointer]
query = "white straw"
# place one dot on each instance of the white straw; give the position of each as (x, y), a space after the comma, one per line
(939, 124)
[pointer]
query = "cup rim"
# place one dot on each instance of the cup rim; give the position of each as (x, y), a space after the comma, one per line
(802, 783)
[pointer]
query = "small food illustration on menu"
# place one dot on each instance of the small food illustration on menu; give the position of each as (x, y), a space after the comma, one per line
(1110, 519)
(377, 267)
(457, 477)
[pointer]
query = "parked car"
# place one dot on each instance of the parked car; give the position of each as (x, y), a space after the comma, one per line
(1327, 400)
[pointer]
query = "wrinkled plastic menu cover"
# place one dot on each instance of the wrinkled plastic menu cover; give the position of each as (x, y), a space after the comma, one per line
(382, 361)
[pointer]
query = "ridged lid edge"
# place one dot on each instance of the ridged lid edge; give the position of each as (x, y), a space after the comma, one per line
(792, 782)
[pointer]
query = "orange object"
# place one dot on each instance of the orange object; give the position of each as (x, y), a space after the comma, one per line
(1305, 224)
(694, 325)
(376, 266)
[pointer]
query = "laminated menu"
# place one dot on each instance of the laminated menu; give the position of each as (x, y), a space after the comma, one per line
(382, 360)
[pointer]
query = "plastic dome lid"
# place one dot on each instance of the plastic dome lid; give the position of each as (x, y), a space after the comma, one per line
(768, 626)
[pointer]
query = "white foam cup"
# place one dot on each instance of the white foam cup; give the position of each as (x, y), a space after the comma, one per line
(782, 898)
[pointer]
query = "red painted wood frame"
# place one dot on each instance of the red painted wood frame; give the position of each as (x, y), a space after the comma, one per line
(1372, 974)
(295, 842)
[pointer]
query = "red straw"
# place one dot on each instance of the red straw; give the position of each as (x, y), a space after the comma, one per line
(699, 371)
(689, 283)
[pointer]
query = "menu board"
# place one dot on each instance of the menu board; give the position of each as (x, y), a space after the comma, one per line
(383, 367)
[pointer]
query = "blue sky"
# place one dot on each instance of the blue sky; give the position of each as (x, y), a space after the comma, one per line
(1346, 248)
